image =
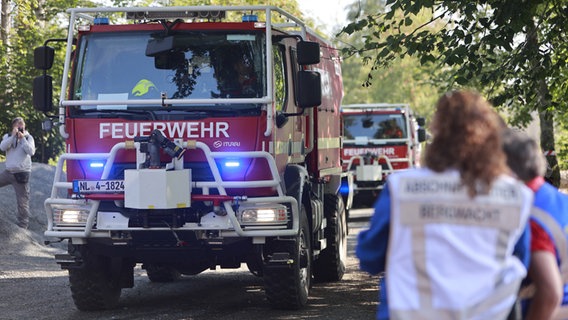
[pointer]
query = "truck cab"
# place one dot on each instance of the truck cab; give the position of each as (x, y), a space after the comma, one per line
(379, 139)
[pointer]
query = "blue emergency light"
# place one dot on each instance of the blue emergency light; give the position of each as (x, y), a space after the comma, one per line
(250, 18)
(101, 20)
(344, 188)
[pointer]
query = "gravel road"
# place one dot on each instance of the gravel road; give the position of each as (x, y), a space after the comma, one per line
(32, 286)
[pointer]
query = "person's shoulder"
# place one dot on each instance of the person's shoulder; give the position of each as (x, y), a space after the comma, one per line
(511, 183)
(424, 171)
(408, 172)
(414, 173)
(554, 192)
(548, 187)
(6, 137)
(506, 179)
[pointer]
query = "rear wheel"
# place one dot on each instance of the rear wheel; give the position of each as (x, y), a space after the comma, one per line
(92, 285)
(287, 285)
(330, 265)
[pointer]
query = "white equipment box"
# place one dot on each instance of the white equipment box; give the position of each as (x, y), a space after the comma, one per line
(369, 172)
(157, 189)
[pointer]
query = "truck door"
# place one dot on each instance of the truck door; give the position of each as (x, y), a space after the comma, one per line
(289, 138)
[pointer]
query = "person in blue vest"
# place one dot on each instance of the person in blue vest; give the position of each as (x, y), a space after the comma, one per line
(548, 270)
(445, 235)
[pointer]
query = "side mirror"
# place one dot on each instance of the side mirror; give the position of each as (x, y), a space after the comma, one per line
(421, 135)
(43, 93)
(421, 121)
(43, 57)
(308, 53)
(309, 89)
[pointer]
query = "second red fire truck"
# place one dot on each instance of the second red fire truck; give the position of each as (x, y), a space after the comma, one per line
(378, 139)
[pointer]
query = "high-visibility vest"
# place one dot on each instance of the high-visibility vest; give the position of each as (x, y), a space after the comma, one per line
(449, 255)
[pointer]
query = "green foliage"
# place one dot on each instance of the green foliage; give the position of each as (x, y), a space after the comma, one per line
(367, 79)
(514, 52)
(17, 72)
(483, 43)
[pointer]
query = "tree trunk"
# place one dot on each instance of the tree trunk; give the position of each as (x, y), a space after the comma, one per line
(547, 145)
(546, 115)
(4, 20)
(39, 12)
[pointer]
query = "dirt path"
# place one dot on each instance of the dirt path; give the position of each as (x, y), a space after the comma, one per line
(34, 287)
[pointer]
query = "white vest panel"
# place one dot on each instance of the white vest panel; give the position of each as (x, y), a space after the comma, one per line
(449, 255)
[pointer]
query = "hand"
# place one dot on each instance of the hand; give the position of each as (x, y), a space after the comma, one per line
(19, 134)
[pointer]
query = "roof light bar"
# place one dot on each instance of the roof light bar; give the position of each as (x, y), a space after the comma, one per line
(250, 18)
(101, 20)
(153, 15)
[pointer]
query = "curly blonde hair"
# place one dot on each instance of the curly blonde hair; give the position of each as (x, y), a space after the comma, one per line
(467, 137)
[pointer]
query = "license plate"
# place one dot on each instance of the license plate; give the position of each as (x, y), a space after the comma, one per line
(98, 186)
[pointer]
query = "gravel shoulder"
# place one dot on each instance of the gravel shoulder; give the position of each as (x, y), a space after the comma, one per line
(32, 285)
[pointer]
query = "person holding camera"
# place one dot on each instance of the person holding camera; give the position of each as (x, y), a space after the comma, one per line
(19, 146)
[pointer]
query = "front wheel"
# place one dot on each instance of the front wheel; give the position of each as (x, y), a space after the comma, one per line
(287, 285)
(92, 287)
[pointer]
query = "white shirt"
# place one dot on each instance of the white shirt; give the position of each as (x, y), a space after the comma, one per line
(18, 152)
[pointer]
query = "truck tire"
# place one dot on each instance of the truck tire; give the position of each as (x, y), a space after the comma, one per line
(160, 273)
(331, 263)
(287, 286)
(91, 285)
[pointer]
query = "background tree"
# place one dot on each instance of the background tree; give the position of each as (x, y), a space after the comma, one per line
(26, 24)
(514, 52)
(403, 81)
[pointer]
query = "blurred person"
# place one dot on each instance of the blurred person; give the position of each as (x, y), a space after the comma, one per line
(240, 80)
(19, 146)
(548, 269)
(445, 235)
(392, 130)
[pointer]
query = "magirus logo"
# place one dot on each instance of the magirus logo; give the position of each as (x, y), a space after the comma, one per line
(218, 144)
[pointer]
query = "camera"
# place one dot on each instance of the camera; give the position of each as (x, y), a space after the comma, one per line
(21, 130)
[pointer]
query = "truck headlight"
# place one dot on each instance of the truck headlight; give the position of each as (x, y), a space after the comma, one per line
(70, 217)
(263, 214)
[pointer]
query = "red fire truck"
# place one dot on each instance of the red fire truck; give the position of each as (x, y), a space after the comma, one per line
(378, 139)
(196, 138)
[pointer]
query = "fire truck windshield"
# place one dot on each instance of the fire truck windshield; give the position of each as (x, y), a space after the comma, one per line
(374, 126)
(114, 66)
